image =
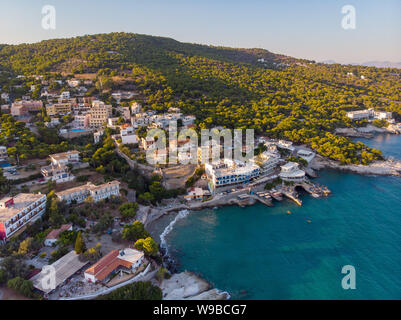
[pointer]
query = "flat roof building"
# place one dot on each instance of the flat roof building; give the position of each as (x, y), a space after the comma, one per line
(64, 158)
(290, 172)
(18, 211)
(98, 193)
(227, 172)
(64, 268)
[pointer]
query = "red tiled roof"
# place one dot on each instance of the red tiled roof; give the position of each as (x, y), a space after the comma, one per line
(33, 273)
(107, 265)
(56, 232)
(103, 263)
(107, 270)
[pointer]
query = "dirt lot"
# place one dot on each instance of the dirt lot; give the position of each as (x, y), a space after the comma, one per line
(8, 294)
(175, 177)
(106, 242)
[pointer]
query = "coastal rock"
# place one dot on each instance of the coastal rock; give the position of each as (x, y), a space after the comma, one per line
(187, 285)
(352, 132)
(380, 168)
(372, 129)
(213, 294)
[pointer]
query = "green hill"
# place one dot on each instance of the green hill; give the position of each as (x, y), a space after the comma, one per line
(282, 97)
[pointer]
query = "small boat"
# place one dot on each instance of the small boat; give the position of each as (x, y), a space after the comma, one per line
(308, 221)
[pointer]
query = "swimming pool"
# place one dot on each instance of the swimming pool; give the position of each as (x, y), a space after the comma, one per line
(5, 165)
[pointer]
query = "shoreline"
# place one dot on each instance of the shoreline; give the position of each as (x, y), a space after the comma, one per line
(366, 132)
(377, 168)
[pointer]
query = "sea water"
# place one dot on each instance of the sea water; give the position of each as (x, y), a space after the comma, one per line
(292, 252)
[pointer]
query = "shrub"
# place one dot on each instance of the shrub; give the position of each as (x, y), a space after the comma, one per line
(135, 291)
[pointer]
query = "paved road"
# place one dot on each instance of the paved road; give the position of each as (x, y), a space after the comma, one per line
(131, 196)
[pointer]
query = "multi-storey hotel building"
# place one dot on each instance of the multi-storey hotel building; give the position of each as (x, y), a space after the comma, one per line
(18, 211)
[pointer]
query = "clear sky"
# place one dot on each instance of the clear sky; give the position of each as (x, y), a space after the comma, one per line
(300, 28)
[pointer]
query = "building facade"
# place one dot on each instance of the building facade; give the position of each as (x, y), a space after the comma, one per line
(57, 173)
(127, 260)
(22, 108)
(58, 109)
(79, 194)
(18, 211)
(290, 172)
(99, 114)
(228, 172)
(64, 158)
(128, 134)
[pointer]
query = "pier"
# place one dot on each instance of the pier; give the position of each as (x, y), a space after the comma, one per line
(266, 200)
(314, 190)
(292, 195)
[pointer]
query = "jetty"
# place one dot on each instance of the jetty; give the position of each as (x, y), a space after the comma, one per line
(262, 197)
(276, 195)
(293, 196)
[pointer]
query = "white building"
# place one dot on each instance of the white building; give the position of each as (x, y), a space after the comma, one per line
(57, 173)
(5, 96)
(64, 269)
(268, 162)
(188, 120)
(54, 121)
(126, 113)
(53, 235)
(112, 122)
(127, 261)
(97, 135)
(306, 154)
(73, 83)
(285, 145)
(369, 114)
(197, 194)
(64, 158)
(136, 107)
(290, 172)
(79, 194)
(18, 211)
(227, 172)
(147, 142)
(381, 115)
(65, 95)
(3, 153)
(128, 134)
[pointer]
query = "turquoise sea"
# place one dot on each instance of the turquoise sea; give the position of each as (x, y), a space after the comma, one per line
(265, 253)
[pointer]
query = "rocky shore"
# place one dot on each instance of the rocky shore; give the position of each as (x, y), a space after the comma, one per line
(379, 168)
(353, 133)
(148, 215)
(189, 286)
(364, 132)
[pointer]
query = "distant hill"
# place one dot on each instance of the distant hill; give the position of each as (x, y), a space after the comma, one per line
(377, 64)
(108, 50)
(382, 64)
(278, 96)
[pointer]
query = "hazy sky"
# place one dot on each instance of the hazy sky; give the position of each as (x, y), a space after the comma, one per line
(300, 28)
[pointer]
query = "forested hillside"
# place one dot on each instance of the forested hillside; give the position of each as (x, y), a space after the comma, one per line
(281, 97)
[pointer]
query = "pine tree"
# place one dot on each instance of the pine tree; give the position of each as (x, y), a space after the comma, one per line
(80, 244)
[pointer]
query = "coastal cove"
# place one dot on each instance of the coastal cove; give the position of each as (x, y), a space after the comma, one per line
(291, 252)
